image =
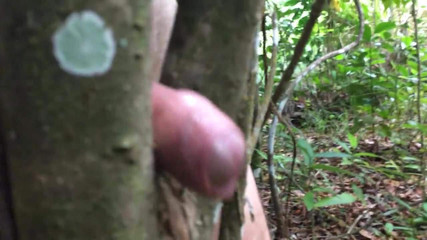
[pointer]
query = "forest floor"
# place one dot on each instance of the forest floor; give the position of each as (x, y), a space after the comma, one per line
(389, 204)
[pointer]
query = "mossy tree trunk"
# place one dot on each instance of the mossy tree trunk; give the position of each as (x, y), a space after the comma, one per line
(212, 52)
(75, 154)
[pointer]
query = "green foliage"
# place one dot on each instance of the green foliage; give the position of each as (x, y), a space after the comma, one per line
(309, 200)
(365, 101)
(307, 151)
(353, 140)
(384, 26)
(343, 198)
(388, 227)
(311, 203)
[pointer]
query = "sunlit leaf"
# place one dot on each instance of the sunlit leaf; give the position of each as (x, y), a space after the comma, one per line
(388, 227)
(366, 154)
(415, 167)
(339, 57)
(384, 26)
(343, 198)
(407, 40)
(292, 2)
(387, 3)
(353, 140)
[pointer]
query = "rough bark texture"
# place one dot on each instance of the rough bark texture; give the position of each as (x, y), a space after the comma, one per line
(7, 224)
(211, 51)
(77, 150)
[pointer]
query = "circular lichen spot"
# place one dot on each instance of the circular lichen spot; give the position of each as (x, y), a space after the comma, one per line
(83, 45)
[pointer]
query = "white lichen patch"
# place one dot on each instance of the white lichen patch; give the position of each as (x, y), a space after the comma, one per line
(83, 45)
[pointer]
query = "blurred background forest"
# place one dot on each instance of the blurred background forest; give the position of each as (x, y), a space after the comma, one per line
(347, 159)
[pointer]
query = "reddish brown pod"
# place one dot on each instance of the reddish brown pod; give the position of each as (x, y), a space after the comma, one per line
(196, 142)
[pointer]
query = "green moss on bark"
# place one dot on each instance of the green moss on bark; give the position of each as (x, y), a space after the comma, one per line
(72, 177)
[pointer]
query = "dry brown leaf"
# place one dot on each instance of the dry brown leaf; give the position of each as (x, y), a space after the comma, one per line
(368, 235)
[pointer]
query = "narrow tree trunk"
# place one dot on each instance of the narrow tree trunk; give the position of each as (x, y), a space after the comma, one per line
(75, 154)
(211, 51)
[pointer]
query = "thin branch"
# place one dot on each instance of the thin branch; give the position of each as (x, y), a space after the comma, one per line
(273, 127)
(329, 55)
(268, 88)
(281, 227)
(350, 229)
(275, 197)
(315, 12)
(264, 48)
(258, 125)
(294, 158)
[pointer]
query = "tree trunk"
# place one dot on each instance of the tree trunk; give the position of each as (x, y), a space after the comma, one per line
(75, 151)
(211, 51)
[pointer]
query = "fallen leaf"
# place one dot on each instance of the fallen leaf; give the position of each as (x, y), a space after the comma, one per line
(368, 235)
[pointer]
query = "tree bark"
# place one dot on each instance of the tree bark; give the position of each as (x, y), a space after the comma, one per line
(75, 154)
(211, 51)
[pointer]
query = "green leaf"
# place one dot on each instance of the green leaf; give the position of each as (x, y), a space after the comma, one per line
(367, 33)
(366, 154)
(307, 150)
(415, 167)
(346, 161)
(339, 57)
(344, 146)
(359, 193)
(333, 169)
(323, 189)
(390, 172)
(407, 40)
(388, 227)
(262, 154)
(343, 198)
(309, 200)
(387, 3)
(402, 203)
(292, 2)
(332, 155)
(409, 158)
(384, 26)
(353, 140)
(415, 125)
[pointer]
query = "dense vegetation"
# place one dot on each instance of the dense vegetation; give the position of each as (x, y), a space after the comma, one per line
(357, 121)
